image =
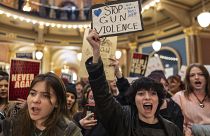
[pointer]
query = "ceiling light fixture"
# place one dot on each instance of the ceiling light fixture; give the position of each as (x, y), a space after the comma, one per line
(118, 54)
(156, 45)
(27, 6)
(204, 17)
(39, 54)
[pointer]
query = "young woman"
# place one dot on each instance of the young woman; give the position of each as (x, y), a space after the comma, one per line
(71, 97)
(168, 105)
(87, 119)
(3, 94)
(175, 84)
(195, 99)
(8, 109)
(141, 117)
(45, 113)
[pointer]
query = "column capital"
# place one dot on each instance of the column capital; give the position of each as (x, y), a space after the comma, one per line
(132, 45)
(39, 46)
(193, 30)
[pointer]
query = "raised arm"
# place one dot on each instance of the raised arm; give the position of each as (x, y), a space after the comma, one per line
(94, 40)
(122, 82)
(111, 114)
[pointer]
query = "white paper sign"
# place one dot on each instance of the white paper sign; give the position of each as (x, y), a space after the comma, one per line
(107, 50)
(154, 63)
(115, 18)
(207, 67)
(182, 72)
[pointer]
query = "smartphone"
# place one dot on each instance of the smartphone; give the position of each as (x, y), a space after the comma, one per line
(90, 109)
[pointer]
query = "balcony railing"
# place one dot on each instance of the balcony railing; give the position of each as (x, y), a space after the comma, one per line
(53, 12)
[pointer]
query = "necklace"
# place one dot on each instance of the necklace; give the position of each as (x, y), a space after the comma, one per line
(38, 132)
(200, 101)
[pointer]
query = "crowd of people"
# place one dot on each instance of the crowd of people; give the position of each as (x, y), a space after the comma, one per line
(149, 106)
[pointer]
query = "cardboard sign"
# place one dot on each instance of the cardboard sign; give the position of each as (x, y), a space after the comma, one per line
(107, 50)
(22, 72)
(66, 77)
(182, 72)
(138, 64)
(115, 18)
(154, 63)
(208, 68)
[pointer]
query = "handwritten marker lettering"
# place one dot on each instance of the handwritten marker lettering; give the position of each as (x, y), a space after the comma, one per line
(117, 18)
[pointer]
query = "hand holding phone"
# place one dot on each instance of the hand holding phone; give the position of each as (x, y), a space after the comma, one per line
(88, 121)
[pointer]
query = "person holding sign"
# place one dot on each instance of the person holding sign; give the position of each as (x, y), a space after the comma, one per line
(3, 94)
(8, 109)
(45, 113)
(141, 116)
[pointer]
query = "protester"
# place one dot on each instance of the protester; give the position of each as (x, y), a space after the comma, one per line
(170, 110)
(3, 94)
(8, 109)
(139, 118)
(120, 85)
(45, 113)
(71, 97)
(79, 90)
(159, 76)
(195, 99)
(87, 120)
(175, 84)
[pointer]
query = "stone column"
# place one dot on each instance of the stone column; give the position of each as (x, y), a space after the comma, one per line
(192, 44)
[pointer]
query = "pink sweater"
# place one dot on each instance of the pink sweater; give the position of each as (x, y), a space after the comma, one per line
(192, 112)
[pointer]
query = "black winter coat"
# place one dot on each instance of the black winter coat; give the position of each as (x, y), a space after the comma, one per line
(97, 130)
(118, 120)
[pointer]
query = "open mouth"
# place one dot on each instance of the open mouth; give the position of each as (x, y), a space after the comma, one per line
(69, 105)
(147, 106)
(35, 110)
(3, 93)
(198, 83)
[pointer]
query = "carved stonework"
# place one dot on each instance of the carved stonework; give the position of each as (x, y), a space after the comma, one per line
(11, 36)
(193, 30)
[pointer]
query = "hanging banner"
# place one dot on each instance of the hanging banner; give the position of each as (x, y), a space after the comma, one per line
(107, 50)
(154, 63)
(118, 17)
(22, 72)
(138, 64)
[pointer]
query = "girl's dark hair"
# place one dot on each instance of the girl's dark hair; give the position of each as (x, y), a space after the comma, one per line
(157, 75)
(145, 83)
(178, 79)
(188, 86)
(23, 118)
(4, 75)
(86, 91)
